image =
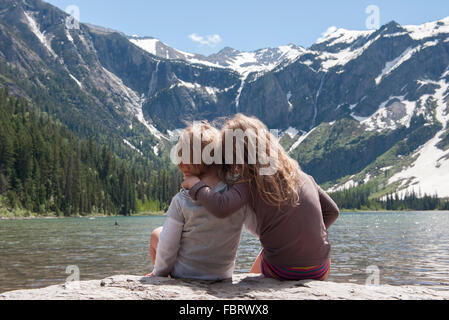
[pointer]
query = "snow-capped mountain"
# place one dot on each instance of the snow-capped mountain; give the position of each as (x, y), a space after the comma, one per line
(357, 107)
(408, 93)
(160, 49)
(240, 61)
(94, 77)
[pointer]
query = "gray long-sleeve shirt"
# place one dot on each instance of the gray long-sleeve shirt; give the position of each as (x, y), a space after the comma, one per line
(290, 236)
(195, 244)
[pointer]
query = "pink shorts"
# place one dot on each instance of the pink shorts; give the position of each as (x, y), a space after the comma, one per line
(319, 272)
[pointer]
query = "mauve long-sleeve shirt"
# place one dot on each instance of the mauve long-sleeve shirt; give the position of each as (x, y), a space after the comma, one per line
(290, 236)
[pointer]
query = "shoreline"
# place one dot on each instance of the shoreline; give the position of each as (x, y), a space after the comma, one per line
(161, 214)
(35, 217)
(389, 211)
(243, 286)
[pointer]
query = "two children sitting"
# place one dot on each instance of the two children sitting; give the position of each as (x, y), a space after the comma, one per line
(286, 210)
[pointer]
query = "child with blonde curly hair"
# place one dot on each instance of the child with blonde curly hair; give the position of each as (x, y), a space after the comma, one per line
(293, 213)
(193, 243)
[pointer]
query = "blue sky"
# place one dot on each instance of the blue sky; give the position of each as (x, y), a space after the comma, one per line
(207, 26)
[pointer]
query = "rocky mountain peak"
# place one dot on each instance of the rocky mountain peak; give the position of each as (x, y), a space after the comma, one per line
(360, 99)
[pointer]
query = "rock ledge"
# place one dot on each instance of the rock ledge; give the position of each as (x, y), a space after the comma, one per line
(242, 287)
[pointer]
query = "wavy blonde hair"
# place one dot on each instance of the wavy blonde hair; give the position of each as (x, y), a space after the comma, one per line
(280, 188)
(208, 135)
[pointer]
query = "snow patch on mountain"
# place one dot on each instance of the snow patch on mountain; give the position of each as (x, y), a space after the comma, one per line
(358, 118)
(175, 134)
(133, 103)
(132, 99)
(68, 35)
(290, 105)
(406, 55)
(428, 30)
(290, 52)
(239, 91)
(207, 90)
(330, 59)
(147, 44)
(152, 129)
(394, 64)
(429, 173)
(132, 147)
(261, 61)
(76, 81)
(292, 132)
(197, 86)
(396, 34)
(335, 36)
(392, 113)
(347, 185)
(445, 73)
(300, 140)
(160, 49)
(35, 28)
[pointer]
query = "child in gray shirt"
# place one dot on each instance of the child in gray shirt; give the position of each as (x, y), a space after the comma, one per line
(193, 243)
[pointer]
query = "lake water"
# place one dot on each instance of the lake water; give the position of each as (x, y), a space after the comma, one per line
(405, 247)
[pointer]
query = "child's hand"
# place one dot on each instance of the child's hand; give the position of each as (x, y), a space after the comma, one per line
(189, 181)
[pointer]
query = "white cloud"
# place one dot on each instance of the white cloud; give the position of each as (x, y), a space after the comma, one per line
(328, 32)
(209, 40)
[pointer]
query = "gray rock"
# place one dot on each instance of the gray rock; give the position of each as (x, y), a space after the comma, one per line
(242, 287)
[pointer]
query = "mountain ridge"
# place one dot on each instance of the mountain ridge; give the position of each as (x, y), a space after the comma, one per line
(359, 101)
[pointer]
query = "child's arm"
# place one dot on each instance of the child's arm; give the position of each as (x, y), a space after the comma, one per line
(169, 241)
(329, 208)
(251, 222)
(221, 205)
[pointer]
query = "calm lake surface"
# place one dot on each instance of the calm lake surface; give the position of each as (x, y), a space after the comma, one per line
(407, 248)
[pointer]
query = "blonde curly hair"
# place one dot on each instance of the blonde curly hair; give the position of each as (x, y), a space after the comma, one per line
(207, 136)
(276, 189)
